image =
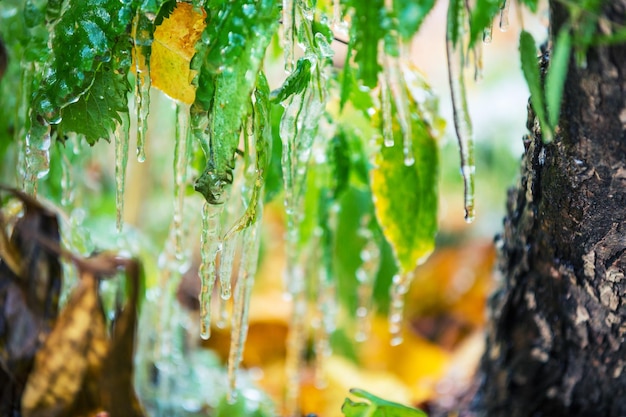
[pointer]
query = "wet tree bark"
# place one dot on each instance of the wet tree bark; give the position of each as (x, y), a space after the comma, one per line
(555, 343)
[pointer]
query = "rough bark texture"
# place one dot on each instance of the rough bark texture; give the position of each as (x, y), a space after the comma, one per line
(555, 344)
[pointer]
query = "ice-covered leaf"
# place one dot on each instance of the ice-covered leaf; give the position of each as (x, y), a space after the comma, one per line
(84, 39)
(410, 15)
(370, 22)
(95, 114)
(482, 16)
(295, 83)
(172, 50)
(530, 68)
(376, 407)
(405, 196)
(224, 91)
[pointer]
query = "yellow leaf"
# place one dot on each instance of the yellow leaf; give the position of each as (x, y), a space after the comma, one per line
(172, 50)
(74, 348)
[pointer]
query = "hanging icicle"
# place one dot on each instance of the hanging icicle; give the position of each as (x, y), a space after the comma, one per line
(67, 183)
(209, 241)
(366, 276)
(121, 160)
(387, 122)
(37, 154)
(142, 31)
(504, 15)
(396, 83)
(290, 23)
(241, 307)
(399, 287)
(462, 123)
(181, 157)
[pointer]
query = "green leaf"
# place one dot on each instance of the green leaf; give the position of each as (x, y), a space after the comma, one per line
(530, 68)
(376, 407)
(85, 37)
(295, 83)
(95, 114)
(370, 23)
(482, 17)
(405, 197)
(556, 75)
(411, 15)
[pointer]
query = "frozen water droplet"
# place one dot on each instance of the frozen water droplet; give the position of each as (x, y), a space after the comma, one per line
(488, 34)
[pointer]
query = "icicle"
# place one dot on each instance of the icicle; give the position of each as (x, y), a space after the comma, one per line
(478, 62)
(462, 123)
(366, 276)
(227, 255)
(296, 343)
(181, 156)
(121, 160)
(326, 311)
(209, 239)
(504, 15)
(243, 291)
(385, 98)
(142, 37)
(67, 186)
(399, 288)
(488, 34)
(289, 33)
(394, 77)
(37, 155)
(223, 313)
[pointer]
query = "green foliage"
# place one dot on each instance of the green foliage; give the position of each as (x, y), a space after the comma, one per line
(482, 17)
(557, 74)
(530, 68)
(370, 23)
(225, 85)
(376, 407)
(411, 15)
(85, 38)
(96, 113)
(546, 97)
(295, 83)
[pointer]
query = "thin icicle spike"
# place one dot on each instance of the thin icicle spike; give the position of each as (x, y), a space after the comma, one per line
(462, 124)
(366, 276)
(208, 248)
(37, 155)
(326, 312)
(385, 98)
(296, 344)
(289, 33)
(394, 77)
(227, 254)
(399, 288)
(181, 154)
(142, 37)
(241, 307)
(67, 183)
(121, 161)
(504, 15)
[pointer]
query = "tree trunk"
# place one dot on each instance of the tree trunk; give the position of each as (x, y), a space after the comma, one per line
(555, 342)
